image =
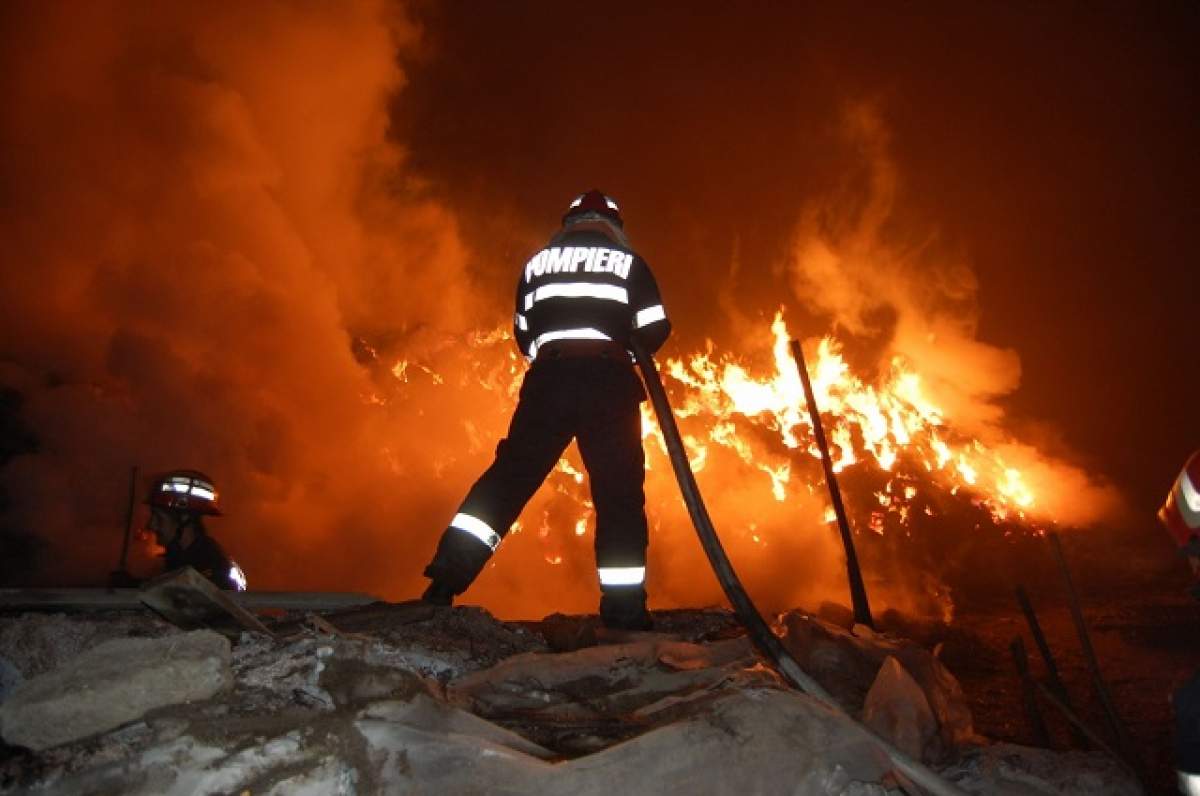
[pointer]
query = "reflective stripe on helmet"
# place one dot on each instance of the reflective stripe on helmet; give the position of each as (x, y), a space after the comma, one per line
(522, 324)
(1189, 784)
(651, 315)
(184, 490)
(577, 290)
(189, 486)
(477, 528)
(594, 201)
(1188, 501)
(621, 576)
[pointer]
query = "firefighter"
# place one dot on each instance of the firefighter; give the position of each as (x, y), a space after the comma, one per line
(1181, 516)
(579, 300)
(179, 500)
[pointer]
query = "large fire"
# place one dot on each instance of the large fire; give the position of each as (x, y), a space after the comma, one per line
(902, 464)
(892, 425)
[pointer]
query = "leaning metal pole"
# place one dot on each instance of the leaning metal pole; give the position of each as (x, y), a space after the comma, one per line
(858, 590)
(1119, 729)
(129, 507)
(759, 632)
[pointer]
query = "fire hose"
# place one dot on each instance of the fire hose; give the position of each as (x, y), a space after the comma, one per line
(760, 633)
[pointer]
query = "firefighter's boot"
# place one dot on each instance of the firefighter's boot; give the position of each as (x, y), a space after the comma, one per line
(459, 559)
(438, 593)
(624, 608)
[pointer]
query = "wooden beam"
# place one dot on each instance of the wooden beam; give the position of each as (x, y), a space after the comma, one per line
(187, 599)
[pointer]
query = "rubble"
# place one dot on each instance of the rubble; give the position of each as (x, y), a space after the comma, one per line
(411, 698)
(897, 710)
(846, 663)
(35, 642)
(1011, 770)
(112, 684)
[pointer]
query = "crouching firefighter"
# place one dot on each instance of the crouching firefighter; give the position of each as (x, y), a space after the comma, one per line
(1181, 516)
(578, 302)
(179, 500)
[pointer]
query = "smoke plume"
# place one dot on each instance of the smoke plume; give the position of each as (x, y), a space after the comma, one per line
(222, 254)
(202, 213)
(904, 297)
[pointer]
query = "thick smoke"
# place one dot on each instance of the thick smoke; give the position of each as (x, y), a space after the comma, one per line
(904, 297)
(202, 213)
(221, 255)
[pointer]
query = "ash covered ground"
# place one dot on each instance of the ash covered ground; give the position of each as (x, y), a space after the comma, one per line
(407, 698)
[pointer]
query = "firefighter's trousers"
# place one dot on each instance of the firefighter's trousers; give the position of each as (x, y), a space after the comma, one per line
(595, 401)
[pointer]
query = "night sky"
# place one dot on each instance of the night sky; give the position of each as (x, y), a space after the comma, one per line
(211, 213)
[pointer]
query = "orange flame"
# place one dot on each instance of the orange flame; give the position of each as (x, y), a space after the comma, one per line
(900, 456)
(865, 423)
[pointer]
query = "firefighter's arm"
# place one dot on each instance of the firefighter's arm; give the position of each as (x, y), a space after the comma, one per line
(650, 322)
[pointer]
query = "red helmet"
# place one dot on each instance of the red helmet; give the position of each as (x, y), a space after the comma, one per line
(184, 490)
(594, 201)
(1181, 513)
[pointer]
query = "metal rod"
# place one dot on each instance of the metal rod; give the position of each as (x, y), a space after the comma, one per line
(1119, 730)
(1055, 680)
(858, 590)
(133, 474)
(1041, 735)
(1073, 718)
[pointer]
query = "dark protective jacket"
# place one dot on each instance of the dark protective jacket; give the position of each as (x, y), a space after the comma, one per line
(204, 555)
(583, 286)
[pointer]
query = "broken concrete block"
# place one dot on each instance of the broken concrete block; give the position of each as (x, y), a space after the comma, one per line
(956, 726)
(846, 664)
(430, 715)
(1005, 769)
(37, 643)
(753, 741)
(597, 682)
(351, 681)
(836, 614)
(896, 709)
(115, 683)
(332, 777)
(187, 599)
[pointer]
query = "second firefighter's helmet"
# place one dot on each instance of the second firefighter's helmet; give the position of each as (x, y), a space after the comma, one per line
(1181, 511)
(594, 201)
(184, 490)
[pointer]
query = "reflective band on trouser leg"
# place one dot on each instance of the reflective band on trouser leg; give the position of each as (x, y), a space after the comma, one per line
(1189, 784)
(621, 576)
(477, 528)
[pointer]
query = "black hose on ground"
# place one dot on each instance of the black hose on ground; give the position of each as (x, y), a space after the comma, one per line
(760, 633)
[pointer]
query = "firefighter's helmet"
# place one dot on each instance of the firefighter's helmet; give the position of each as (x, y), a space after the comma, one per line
(594, 201)
(184, 490)
(1181, 511)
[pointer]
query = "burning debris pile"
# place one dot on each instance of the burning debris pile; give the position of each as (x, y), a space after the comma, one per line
(404, 698)
(928, 495)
